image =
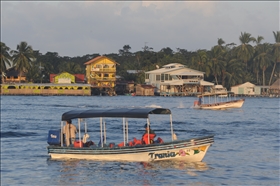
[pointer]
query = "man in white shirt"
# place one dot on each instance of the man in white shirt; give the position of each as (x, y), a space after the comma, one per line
(69, 131)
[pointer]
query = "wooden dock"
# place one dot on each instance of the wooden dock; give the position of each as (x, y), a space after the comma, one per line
(46, 89)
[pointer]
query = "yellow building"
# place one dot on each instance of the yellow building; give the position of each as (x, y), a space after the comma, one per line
(101, 73)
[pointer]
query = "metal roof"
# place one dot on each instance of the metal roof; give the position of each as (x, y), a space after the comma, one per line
(174, 82)
(117, 112)
(176, 71)
(186, 73)
(97, 58)
(206, 83)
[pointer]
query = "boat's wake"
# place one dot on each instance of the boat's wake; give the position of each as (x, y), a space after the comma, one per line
(153, 106)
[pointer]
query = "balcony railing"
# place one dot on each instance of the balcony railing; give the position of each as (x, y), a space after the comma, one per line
(103, 70)
(103, 79)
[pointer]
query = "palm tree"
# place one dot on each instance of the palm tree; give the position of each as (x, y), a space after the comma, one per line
(256, 63)
(275, 52)
(5, 59)
(220, 44)
(216, 62)
(245, 51)
(264, 58)
(70, 67)
(199, 60)
(258, 40)
(22, 58)
(235, 72)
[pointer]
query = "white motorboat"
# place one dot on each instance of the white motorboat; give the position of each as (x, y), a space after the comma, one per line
(190, 150)
(217, 101)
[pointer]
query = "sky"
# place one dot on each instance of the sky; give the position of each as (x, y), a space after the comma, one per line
(73, 28)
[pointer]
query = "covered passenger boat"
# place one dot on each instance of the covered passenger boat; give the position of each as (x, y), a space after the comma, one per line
(218, 101)
(191, 150)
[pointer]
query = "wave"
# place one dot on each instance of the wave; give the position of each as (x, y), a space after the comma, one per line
(11, 134)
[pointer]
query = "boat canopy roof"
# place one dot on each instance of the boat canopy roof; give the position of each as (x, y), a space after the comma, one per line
(116, 112)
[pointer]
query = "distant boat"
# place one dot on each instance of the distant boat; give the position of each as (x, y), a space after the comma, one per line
(222, 91)
(216, 101)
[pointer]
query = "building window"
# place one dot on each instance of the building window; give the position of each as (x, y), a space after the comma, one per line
(169, 77)
(166, 77)
(162, 77)
(106, 66)
(146, 76)
(157, 77)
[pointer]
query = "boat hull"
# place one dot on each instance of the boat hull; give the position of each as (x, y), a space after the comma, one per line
(192, 150)
(223, 105)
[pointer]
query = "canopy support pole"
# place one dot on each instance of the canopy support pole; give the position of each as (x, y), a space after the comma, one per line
(104, 132)
(85, 126)
(148, 125)
(101, 136)
(79, 125)
(124, 132)
(171, 127)
(61, 133)
(126, 123)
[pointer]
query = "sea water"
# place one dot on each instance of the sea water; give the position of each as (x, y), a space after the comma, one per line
(245, 151)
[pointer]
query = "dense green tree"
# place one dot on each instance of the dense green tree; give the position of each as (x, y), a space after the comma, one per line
(256, 63)
(199, 61)
(147, 48)
(235, 72)
(167, 51)
(22, 57)
(216, 62)
(125, 51)
(70, 67)
(275, 53)
(245, 51)
(5, 59)
(264, 58)
(228, 64)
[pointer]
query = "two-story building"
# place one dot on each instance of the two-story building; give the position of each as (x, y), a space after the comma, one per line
(101, 74)
(176, 79)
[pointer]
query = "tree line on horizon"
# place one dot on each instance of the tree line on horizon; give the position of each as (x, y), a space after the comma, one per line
(226, 64)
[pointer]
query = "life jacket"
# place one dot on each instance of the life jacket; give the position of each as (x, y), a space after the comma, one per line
(137, 142)
(131, 143)
(145, 138)
(121, 144)
(159, 140)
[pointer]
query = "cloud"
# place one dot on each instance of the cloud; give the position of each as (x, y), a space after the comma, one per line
(87, 27)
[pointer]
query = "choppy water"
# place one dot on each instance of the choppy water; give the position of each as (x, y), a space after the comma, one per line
(245, 152)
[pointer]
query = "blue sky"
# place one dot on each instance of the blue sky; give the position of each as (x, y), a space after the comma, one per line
(88, 27)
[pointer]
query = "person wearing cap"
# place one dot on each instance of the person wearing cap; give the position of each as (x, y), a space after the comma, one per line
(69, 131)
(150, 132)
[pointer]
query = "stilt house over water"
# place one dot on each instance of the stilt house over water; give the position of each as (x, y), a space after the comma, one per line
(177, 79)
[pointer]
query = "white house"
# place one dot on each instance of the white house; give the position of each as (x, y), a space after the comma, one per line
(176, 79)
(244, 89)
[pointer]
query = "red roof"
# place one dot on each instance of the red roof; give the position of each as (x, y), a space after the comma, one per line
(79, 78)
(147, 86)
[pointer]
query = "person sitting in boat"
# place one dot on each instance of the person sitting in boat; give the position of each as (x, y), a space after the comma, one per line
(151, 133)
(69, 131)
(199, 100)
